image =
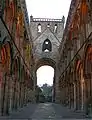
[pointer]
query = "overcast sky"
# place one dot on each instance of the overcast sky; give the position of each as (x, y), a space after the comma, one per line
(47, 9)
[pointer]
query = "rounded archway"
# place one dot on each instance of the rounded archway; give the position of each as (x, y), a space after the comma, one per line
(45, 75)
(47, 62)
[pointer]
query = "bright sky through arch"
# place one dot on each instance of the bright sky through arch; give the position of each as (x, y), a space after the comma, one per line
(45, 74)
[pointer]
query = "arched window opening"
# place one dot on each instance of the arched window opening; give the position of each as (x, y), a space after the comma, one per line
(39, 28)
(88, 61)
(47, 46)
(55, 28)
(5, 55)
(48, 25)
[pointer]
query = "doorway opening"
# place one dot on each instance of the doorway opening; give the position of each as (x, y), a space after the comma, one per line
(45, 77)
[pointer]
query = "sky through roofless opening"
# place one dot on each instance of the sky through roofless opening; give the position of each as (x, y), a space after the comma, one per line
(48, 8)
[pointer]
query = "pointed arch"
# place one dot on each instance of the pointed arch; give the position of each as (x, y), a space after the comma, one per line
(88, 61)
(47, 46)
(5, 56)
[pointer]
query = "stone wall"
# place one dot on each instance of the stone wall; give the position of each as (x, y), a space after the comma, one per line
(77, 42)
(16, 80)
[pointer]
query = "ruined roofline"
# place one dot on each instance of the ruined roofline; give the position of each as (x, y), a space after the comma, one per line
(46, 19)
(70, 15)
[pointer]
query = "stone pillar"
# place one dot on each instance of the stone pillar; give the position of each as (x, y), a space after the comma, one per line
(71, 98)
(25, 94)
(14, 93)
(6, 95)
(21, 98)
(1, 89)
(77, 95)
(82, 94)
(74, 96)
(69, 95)
(57, 90)
(2, 94)
(20, 94)
(10, 94)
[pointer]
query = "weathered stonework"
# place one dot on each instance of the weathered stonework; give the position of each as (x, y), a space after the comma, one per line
(54, 37)
(75, 60)
(16, 82)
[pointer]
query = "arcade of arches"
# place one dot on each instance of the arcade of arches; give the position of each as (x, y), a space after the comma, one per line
(16, 59)
(73, 66)
(75, 81)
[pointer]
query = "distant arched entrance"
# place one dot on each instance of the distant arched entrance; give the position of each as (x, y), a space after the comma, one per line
(45, 74)
(47, 62)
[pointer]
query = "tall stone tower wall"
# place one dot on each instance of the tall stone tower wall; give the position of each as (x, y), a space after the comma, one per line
(44, 23)
(46, 36)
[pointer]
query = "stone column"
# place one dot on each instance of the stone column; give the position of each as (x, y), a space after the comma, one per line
(14, 93)
(22, 94)
(1, 88)
(69, 95)
(77, 97)
(82, 94)
(25, 94)
(57, 90)
(19, 94)
(6, 94)
(74, 95)
(10, 94)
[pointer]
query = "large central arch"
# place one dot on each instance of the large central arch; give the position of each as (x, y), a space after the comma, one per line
(49, 62)
(45, 61)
